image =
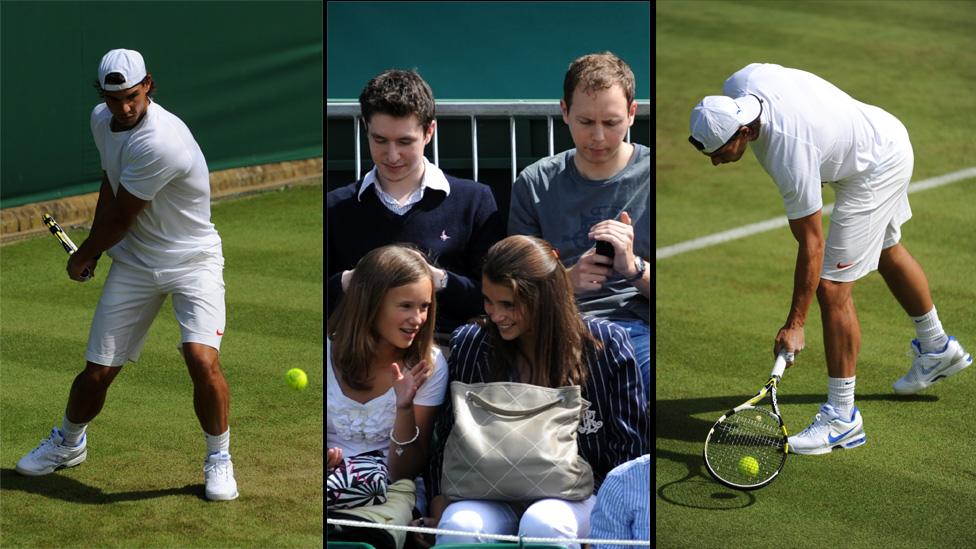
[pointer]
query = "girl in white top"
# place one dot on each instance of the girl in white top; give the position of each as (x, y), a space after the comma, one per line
(386, 378)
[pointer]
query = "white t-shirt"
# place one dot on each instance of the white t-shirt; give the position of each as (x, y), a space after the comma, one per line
(357, 428)
(813, 132)
(158, 160)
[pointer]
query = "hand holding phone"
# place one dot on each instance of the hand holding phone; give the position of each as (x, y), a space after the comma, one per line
(605, 249)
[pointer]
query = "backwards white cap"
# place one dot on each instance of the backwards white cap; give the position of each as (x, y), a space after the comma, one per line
(716, 118)
(128, 63)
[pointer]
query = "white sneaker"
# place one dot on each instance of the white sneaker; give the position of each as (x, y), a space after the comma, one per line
(52, 454)
(828, 431)
(927, 368)
(218, 472)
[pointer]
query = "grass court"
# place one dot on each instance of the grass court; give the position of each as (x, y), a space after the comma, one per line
(718, 308)
(142, 484)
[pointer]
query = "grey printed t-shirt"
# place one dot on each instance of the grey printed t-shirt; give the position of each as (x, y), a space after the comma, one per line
(552, 200)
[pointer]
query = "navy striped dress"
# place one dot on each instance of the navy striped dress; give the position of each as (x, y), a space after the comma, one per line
(614, 430)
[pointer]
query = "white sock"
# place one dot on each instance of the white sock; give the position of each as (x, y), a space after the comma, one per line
(840, 395)
(72, 432)
(931, 336)
(218, 443)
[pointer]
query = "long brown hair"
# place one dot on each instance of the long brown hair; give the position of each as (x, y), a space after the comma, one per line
(352, 326)
(543, 294)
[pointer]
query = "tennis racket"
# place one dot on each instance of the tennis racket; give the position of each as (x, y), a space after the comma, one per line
(65, 241)
(747, 447)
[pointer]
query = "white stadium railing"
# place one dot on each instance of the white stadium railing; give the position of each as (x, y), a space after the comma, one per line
(473, 110)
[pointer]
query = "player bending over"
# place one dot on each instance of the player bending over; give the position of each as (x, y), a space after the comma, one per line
(806, 132)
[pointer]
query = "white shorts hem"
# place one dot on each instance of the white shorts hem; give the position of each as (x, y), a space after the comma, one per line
(210, 341)
(104, 360)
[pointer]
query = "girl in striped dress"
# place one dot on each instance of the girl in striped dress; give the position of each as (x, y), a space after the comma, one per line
(533, 333)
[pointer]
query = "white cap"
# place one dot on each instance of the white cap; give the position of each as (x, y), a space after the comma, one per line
(128, 63)
(716, 118)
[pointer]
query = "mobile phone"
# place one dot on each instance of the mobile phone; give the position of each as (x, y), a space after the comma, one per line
(604, 248)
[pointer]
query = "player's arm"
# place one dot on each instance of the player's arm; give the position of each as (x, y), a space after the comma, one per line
(105, 200)
(111, 225)
(808, 232)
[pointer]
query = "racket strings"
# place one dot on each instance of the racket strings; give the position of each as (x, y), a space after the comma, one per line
(752, 432)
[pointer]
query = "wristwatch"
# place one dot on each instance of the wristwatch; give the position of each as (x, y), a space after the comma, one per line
(641, 266)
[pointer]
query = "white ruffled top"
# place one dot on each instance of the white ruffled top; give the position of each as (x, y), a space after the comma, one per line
(356, 427)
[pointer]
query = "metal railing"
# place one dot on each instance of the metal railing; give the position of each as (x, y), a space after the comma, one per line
(473, 110)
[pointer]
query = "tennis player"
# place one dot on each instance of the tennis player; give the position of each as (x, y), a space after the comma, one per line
(153, 218)
(806, 132)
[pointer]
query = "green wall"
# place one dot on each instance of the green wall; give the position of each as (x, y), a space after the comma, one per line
(482, 50)
(246, 77)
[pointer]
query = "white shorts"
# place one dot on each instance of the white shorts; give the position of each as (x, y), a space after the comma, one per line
(867, 218)
(133, 295)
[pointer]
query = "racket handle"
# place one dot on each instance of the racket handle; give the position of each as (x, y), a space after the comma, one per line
(780, 365)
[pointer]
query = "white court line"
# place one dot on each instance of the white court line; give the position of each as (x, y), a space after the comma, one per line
(776, 222)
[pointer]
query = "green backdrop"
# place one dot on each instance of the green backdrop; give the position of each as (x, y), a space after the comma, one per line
(246, 77)
(482, 50)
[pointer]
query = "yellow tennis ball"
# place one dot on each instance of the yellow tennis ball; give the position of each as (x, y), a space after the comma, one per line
(749, 466)
(297, 379)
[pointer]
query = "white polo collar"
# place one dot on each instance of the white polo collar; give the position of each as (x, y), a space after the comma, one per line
(433, 179)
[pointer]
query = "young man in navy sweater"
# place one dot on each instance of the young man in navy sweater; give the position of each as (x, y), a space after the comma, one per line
(405, 198)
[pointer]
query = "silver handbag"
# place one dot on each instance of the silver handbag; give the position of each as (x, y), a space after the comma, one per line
(515, 442)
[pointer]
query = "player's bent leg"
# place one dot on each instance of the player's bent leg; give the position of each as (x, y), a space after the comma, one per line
(211, 401)
(830, 428)
(211, 395)
(842, 332)
(88, 392)
(905, 279)
(84, 403)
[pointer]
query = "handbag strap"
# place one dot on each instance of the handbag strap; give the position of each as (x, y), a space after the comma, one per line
(472, 397)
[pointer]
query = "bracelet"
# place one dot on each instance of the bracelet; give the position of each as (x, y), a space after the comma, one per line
(400, 445)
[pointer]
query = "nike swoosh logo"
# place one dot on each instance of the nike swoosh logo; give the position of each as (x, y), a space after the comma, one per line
(844, 265)
(220, 332)
(833, 439)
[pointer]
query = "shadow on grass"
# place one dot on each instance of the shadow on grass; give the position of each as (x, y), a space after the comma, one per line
(56, 486)
(674, 419)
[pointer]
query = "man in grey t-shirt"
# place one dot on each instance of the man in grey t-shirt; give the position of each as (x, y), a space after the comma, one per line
(598, 191)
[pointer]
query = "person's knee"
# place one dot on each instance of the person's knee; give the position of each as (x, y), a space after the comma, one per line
(97, 376)
(203, 362)
(548, 519)
(833, 294)
(461, 520)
